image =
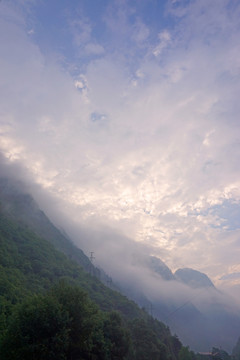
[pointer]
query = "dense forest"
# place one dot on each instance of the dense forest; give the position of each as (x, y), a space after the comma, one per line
(50, 308)
(53, 305)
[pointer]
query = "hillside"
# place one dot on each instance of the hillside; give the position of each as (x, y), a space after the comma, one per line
(20, 206)
(35, 256)
(187, 301)
(31, 266)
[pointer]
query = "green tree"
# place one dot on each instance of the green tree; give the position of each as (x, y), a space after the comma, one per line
(84, 320)
(116, 336)
(63, 324)
(185, 353)
(220, 354)
(146, 344)
(38, 330)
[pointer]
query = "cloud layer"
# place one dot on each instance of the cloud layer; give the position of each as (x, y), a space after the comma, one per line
(130, 115)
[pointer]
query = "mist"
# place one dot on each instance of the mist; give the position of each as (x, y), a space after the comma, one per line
(149, 150)
(147, 147)
(127, 263)
(122, 258)
(122, 121)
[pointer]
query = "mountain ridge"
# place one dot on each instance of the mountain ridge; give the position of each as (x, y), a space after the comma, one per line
(30, 265)
(193, 278)
(21, 206)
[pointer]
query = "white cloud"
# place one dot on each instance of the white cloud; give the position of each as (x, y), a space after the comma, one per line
(81, 30)
(165, 40)
(140, 32)
(94, 49)
(163, 152)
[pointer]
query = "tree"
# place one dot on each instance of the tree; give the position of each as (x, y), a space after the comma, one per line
(38, 330)
(63, 324)
(185, 353)
(83, 319)
(220, 354)
(117, 338)
(146, 344)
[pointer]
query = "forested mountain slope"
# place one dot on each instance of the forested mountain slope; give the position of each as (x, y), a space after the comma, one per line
(20, 206)
(35, 275)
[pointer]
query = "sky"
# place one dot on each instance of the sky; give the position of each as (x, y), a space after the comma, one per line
(127, 113)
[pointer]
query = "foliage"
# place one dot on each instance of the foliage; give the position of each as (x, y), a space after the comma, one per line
(38, 330)
(84, 320)
(145, 341)
(117, 337)
(44, 314)
(220, 354)
(63, 324)
(186, 354)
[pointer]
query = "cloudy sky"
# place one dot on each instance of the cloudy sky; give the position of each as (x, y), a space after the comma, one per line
(128, 111)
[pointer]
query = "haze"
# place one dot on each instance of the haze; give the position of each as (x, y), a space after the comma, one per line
(127, 114)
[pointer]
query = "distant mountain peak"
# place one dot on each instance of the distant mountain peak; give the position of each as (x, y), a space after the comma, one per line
(193, 278)
(158, 266)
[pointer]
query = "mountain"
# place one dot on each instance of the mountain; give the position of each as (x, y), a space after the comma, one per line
(188, 302)
(41, 276)
(35, 255)
(158, 266)
(20, 206)
(193, 278)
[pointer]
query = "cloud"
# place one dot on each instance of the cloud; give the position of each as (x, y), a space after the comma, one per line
(81, 29)
(127, 264)
(145, 143)
(94, 49)
(164, 40)
(141, 32)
